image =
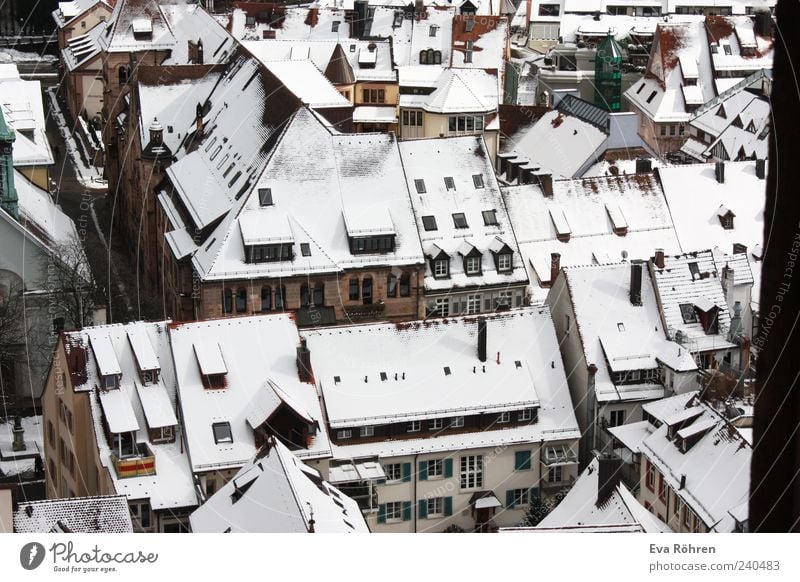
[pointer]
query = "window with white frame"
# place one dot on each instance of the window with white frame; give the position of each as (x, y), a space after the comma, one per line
(414, 426)
(473, 304)
(435, 468)
(472, 265)
(436, 507)
(367, 431)
(457, 422)
(556, 454)
(441, 268)
(436, 424)
(524, 415)
(442, 306)
(616, 418)
(504, 299)
(344, 433)
(394, 511)
(521, 497)
(555, 474)
(504, 417)
(394, 472)
(471, 471)
(222, 432)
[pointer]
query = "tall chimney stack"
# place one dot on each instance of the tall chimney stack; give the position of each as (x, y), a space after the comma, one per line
(198, 120)
(555, 267)
(608, 476)
(636, 282)
(304, 361)
(482, 339)
(659, 258)
(761, 168)
(719, 172)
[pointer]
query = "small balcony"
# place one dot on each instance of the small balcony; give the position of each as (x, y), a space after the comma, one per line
(139, 464)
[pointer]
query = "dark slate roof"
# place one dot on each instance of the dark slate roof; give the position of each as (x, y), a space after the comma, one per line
(585, 111)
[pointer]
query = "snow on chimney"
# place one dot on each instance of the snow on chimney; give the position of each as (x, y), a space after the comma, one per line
(482, 339)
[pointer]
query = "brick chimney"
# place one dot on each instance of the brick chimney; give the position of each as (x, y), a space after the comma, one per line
(482, 339)
(636, 282)
(198, 121)
(555, 267)
(304, 362)
(658, 259)
(546, 184)
(719, 172)
(609, 473)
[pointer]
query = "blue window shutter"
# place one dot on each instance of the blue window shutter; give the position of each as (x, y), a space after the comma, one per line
(382, 513)
(522, 460)
(510, 498)
(406, 471)
(423, 470)
(448, 506)
(406, 510)
(381, 481)
(423, 509)
(448, 467)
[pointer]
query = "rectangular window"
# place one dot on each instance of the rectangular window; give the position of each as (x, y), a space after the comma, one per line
(305, 249)
(435, 468)
(354, 289)
(442, 308)
(650, 479)
(617, 418)
(449, 183)
(477, 179)
(420, 186)
(473, 304)
(394, 511)
(472, 265)
(520, 497)
(435, 424)
(265, 196)
(459, 220)
(504, 262)
(524, 415)
(391, 285)
(436, 507)
(554, 475)
(471, 475)
(504, 417)
(489, 217)
(441, 268)
(522, 461)
(344, 433)
(549, 9)
(405, 285)
(662, 488)
(374, 96)
(367, 431)
(414, 426)
(457, 422)
(51, 434)
(429, 223)
(394, 472)
(663, 130)
(222, 432)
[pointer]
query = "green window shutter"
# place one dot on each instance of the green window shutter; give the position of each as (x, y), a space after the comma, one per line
(381, 481)
(423, 509)
(423, 470)
(406, 510)
(406, 471)
(510, 498)
(448, 506)
(522, 461)
(382, 513)
(448, 467)
(534, 493)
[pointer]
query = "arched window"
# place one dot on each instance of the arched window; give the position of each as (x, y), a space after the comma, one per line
(430, 57)
(227, 301)
(366, 290)
(123, 74)
(319, 294)
(405, 284)
(437, 58)
(391, 285)
(266, 298)
(280, 298)
(423, 57)
(241, 300)
(304, 295)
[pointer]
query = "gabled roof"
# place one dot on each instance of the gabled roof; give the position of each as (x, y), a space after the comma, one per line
(260, 20)
(309, 84)
(105, 514)
(484, 40)
(70, 11)
(458, 91)
(119, 33)
(276, 493)
(23, 110)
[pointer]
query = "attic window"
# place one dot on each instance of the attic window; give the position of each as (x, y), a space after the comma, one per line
(265, 196)
(420, 186)
(727, 49)
(694, 269)
(222, 432)
(432, 30)
(384, 377)
(429, 223)
(352, 48)
(688, 313)
(620, 326)
(335, 26)
(477, 179)
(517, 363)
(652, 96)
(337, 379)
(449, 183)
(489, 217)
(305, 249)
(447, 370)
(469, 25)
(460, 220)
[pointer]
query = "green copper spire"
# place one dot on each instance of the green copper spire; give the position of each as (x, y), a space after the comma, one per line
(608, 75)
(8, 193)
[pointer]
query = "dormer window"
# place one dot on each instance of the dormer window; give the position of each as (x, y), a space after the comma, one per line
(726, 217)
(502, 255)
(268, 253)
(211, 365)
(504, 263)
(372, 244)
(472, 265)
(108, 368)
(432, 30)
(688, 313)
(110, 382)
(441, 268)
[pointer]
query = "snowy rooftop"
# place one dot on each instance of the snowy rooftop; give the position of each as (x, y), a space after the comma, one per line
(429, 164)
(259, 352)
(369, 192)
(480, 43)
(277, 493)
(578, 511)
(530, 374)
(307, 82)
(83, 48)
(106, 514)
(124, 409)
(736, 47)
(411, 36)
(601, 303)
(586, 206)
(291, 23)
(22, 107)
(562, 144)
(69, 11)
(662, 409)
(688, 283)
(457, 91)
(715, 470)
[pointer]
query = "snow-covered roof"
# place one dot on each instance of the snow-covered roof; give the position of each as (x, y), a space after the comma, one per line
(692, 280)
(474, 191)
(579, 511)
(171, 486)
(601, 302)
(104, 354)
(713, 475)
(156, 405)
(277, 493)
(22, 107)
(121, 36)
(67, 12)
(308, 83)
(289, 23)
(632, 434)
(457, 91)
(530, 374)
(189, 22)
(587, 206)
(562, 144)
(321, 52)
(369, 193)
(694, 197)
(410, 36)
(143, 351)
(104, 514)
(662, 409)
(83, 48)
(480, 43)
(259, 352)
(736, 48)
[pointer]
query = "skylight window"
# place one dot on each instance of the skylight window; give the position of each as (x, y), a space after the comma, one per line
(265, 196)
(469, 25)
(449, 183)
(352, 48)
(694, 269)
(620, 326)
(727, 49)
(420, 186)
(222, 432)
(688, 313)
(652, 96)
(490, 217)
(305, 249)
(477, 179)
(460, 220)
(429, 223)
(447, 370)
